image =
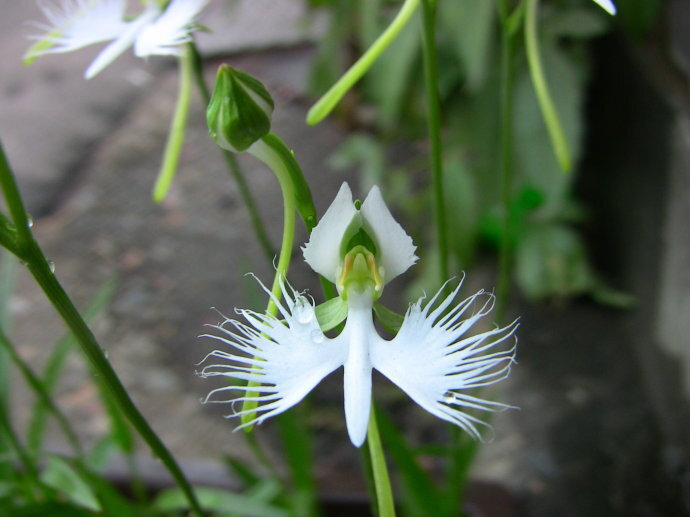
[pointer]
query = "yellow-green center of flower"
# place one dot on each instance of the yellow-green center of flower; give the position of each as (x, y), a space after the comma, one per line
(360, 272)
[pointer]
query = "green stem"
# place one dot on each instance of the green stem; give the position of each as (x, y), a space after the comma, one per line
(434, 126)
(296, 197)
(233, 166)
(541, 88)
(173, 147)
(384, 494)
(42, 272)
(37, 386)
(328, 101)
(266, 153)
(506, 151)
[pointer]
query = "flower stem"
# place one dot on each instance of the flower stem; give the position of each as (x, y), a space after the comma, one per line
(233, 166)
(296, 198)
(434, 126)
(31, 253)
(506, 166)
(541, 88)
(173, 147)
(330, 99)
(384, 494)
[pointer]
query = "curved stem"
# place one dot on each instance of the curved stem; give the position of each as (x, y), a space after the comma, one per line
(506, 168)
(328, 101)
(541, 88)
(173, 147)
(42, 272)
(434, 126)
(296, 198)
(265, 152)
(233, 166)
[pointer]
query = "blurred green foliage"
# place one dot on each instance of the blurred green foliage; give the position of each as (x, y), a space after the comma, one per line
(387, 110)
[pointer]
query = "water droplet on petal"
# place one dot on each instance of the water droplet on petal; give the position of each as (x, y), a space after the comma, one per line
(449, 397)
(317, 336)
(303, 311)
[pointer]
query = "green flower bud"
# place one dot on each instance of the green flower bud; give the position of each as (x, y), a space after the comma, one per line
(240, 109)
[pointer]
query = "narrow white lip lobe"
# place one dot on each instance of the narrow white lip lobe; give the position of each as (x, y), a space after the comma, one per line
(359, 330)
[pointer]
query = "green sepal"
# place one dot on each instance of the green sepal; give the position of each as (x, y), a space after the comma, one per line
(391, 321)
(8, 234)
(239, 112)
(332, 313)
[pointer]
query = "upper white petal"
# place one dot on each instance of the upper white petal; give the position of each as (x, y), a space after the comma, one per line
(322, 252)
(607, 5)
(77, 23)
(287, 359)
(432, 358)
(117, 47)
(395, 248)
(165, 35)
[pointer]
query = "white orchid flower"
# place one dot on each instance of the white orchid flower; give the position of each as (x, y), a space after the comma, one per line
(78, 23)
(607, 5)
(433, 357)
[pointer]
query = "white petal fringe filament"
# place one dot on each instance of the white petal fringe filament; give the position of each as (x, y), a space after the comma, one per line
(434, 357)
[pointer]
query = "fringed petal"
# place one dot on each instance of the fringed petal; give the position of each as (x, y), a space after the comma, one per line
(75, 24)
(170, 30)
(433, 360)
(289, 359)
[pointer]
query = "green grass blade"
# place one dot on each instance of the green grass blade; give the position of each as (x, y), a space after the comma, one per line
(41, 393)
(296, 441)
(384, 494)
(421, 496)
(7, 268)
(56, 360)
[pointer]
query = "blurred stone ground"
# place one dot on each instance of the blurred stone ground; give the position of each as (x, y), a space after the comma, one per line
(87, 153)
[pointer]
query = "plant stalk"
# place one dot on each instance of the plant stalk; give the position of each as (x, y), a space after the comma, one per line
(35, 260)
(506, 159)
(433, 104)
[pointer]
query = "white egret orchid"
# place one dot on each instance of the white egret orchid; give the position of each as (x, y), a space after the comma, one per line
(78, 23)
(433, 358)
(607, 5)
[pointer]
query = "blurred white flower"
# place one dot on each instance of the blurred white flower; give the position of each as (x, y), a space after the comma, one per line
(74, 24)
(607, 5)
(433, 357)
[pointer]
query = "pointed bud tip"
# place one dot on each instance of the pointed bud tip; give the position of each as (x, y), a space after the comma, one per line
(239, 112)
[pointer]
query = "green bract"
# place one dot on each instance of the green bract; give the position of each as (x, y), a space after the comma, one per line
(240, 109)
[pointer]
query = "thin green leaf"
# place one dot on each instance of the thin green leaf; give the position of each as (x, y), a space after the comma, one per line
(53, 367)
(41, 392)
(173, 147)
(61, 476)
(7, 268)
(296, 442)
(541, 88)
(221, 501)
(45, 509)
(330, 99)
(242, 471)
(418, 488)
(384, 494)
